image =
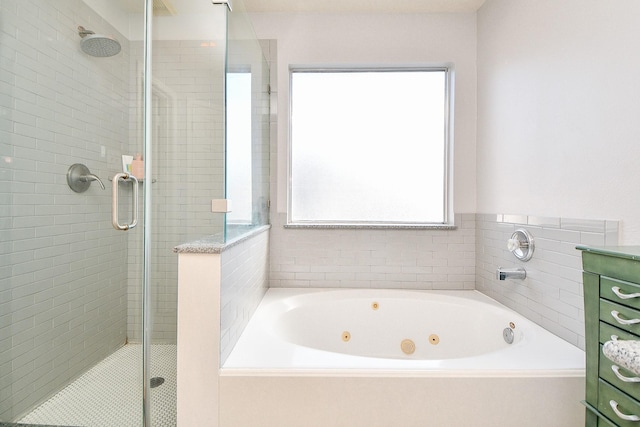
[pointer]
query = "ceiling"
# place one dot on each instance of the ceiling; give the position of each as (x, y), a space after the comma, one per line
(181, 7)
(364, 6)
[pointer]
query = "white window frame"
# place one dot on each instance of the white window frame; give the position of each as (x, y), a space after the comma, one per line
(447, 203)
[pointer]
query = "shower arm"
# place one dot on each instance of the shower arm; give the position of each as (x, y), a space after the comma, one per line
(83, 32)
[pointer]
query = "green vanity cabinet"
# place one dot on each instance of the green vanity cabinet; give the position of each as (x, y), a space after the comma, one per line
(611, 280)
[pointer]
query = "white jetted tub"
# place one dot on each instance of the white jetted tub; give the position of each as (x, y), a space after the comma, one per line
(397, 357)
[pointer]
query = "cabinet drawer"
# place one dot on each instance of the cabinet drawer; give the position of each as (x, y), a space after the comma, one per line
(603, 422)
(623, 403)
(607, 331)
(622, 380)
(620, 316)
(625, 293)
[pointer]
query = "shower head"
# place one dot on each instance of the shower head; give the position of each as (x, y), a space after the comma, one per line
(98, 44)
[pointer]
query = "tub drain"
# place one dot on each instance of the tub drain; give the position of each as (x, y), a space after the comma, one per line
(156, 381)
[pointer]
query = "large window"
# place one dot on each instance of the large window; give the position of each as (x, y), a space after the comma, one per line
(370, 147)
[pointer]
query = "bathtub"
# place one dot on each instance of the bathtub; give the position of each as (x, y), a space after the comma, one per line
(386, 358)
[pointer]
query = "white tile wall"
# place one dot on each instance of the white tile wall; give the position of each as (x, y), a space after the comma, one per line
(551, 295)
(361, 258)
(245, 273)
(466, 258)
(62, 266)
(188, 170)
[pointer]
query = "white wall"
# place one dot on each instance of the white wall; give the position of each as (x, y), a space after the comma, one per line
(558, 110)
(431, 259)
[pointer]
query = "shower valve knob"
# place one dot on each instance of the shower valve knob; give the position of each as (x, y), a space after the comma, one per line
(521, 244)
(513, 245)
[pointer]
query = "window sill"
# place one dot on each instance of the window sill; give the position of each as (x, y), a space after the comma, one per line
(373, 226)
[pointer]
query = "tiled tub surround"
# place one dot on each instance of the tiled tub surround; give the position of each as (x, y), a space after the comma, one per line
(464, 258)
(373, 258)
(551, 295)
(245, 276)
(220, 288)
(244, 264)
(203, 292)
(291, 364)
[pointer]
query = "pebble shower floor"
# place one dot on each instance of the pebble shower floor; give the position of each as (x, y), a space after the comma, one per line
(109, 394)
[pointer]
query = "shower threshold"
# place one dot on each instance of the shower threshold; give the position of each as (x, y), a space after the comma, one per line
(110, 394)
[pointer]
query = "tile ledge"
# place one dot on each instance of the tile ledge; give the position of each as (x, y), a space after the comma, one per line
(214, 244)
(372, 226)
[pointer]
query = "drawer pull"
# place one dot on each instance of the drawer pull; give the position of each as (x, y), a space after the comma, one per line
(619, 294)
(614, 406)
(616, 315)
(616, 370)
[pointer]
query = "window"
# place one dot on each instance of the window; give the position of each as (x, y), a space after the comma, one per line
(238, 149)
(370, 147)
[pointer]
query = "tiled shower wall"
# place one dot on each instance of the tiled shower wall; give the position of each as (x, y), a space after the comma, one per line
(188, 138)
(551, 295)
(62, 265)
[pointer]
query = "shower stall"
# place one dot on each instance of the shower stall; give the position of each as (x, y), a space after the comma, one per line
(88, 299)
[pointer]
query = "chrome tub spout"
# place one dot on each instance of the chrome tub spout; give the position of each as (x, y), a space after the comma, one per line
(511, 273)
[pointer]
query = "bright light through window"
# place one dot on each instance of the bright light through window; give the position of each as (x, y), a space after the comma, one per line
(238, 150)
(369, 146)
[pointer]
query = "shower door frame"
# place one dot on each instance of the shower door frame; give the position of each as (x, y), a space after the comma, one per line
(146, 244)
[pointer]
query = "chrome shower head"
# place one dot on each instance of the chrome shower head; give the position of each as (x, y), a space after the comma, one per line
(97, 44)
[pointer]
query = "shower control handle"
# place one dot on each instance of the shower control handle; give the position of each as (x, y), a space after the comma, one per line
(114, 201)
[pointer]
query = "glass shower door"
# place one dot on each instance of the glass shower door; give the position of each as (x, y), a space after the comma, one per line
(70, 75)
(188, 108)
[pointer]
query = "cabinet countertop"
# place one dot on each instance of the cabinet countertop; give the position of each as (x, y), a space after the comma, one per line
(624, 353)
(629, 252)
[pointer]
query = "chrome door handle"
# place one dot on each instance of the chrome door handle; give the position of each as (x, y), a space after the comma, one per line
(114, 201)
